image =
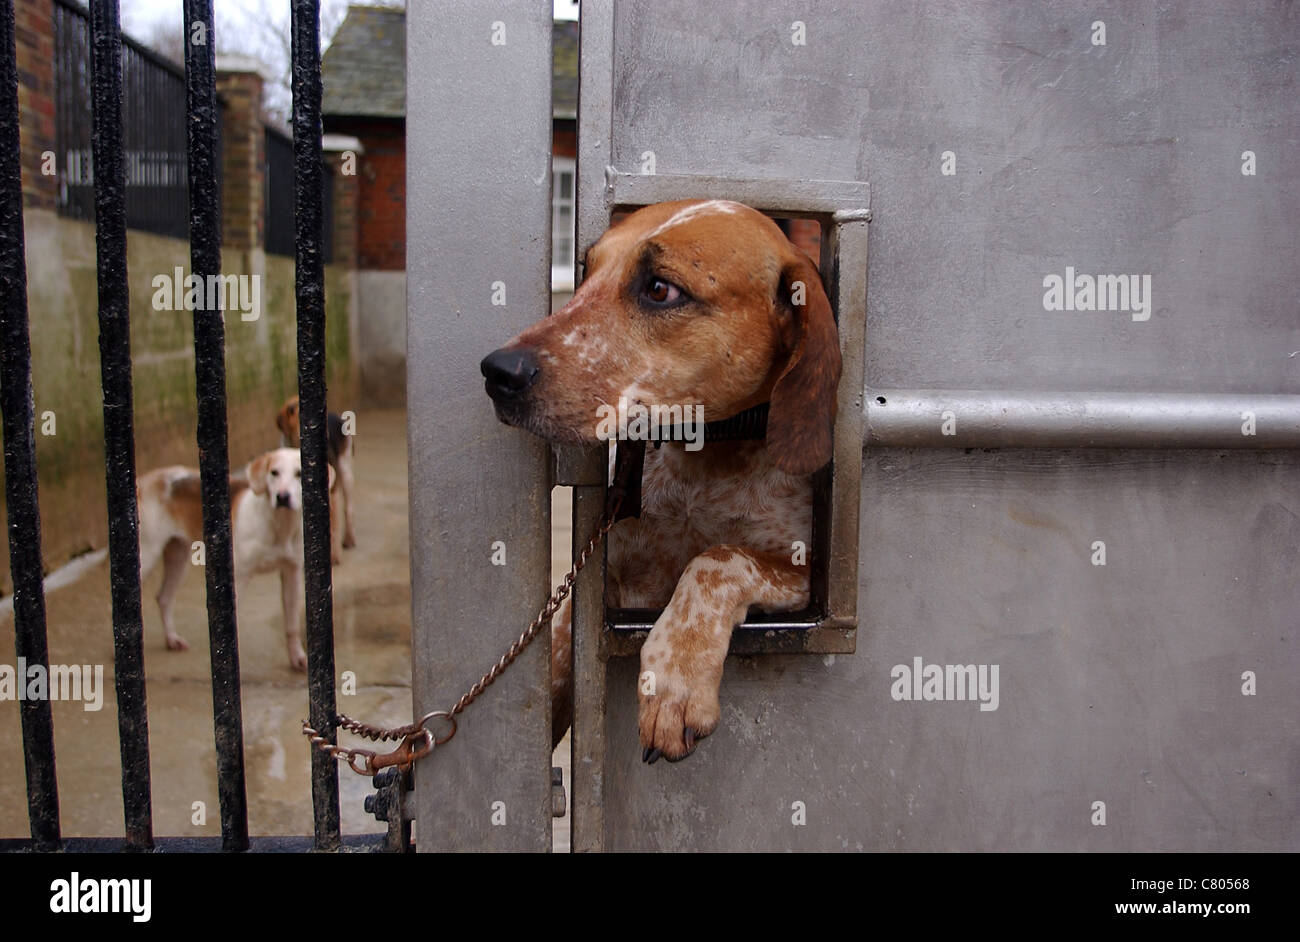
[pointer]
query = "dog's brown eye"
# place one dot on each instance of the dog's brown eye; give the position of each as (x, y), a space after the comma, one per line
(275, 474)
(297, 474)
(660, 292)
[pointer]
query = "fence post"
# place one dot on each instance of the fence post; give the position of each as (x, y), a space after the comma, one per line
(478, 185)
(243, 154)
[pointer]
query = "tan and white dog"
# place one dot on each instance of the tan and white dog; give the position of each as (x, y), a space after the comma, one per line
(266, 534)
(695, 303)
(340, 447)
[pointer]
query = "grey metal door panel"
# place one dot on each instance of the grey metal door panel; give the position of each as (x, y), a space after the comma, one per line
(1119, 683)
(478, 212)
(1123, 158)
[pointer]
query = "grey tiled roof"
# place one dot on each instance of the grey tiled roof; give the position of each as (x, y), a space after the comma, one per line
(364, 68)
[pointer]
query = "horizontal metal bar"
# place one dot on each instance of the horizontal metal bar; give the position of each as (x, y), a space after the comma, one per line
(825, 197)
(981, 419)
(784, 637)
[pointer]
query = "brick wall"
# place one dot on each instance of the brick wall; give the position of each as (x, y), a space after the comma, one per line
(564, 138)
(243, 146)
(34, 31)
(807, 235)
(347, 194)
(381, 190)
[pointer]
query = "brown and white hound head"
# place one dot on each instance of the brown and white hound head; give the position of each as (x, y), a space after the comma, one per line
(276, 477)
(286, 420)
(699, 302)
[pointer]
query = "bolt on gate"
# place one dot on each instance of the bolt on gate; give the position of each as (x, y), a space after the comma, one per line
(16, 400)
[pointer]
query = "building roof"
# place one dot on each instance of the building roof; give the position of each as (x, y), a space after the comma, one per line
(364, 69)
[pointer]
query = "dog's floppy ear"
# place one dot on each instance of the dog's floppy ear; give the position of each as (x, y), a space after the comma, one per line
(284, 422)
(257, 473)
(801, 418)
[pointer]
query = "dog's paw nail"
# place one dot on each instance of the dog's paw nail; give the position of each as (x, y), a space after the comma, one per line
(651, 756)
(690, 739)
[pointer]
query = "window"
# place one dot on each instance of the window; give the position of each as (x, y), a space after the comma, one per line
(563, 237)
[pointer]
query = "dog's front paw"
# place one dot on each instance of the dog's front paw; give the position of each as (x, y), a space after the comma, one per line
(298, 658)
(349, 541)
(177, 643)
(677, 708)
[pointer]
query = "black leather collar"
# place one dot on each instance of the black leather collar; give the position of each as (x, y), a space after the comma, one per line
(750, 425)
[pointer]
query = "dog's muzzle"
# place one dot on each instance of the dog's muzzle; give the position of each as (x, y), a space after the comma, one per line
(283, 500)
(508, 373)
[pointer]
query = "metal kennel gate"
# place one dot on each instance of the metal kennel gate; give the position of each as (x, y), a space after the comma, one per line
(19, 431)
(1007, 442)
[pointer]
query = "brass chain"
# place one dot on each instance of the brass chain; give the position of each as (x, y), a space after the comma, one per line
(417, 740)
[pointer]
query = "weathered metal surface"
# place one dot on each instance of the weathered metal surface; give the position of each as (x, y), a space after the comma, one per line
(119, 432)
(1120, 683)
(18, 411)
(478, 224)
(310, 292)
(796, 196)
(214, 454)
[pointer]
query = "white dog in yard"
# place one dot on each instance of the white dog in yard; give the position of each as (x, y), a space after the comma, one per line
(266, 533)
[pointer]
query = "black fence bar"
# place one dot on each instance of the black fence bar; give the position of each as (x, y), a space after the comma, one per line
(310, 290)
(18, 410)
(119, 433)
(210, 394)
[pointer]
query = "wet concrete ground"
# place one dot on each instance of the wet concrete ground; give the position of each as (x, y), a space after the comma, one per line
(372, 612)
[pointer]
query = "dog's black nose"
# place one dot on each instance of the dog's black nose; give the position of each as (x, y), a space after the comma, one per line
(282, 500)
(509, 372)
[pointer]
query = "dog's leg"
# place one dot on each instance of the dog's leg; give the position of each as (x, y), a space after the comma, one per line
(681, 660)
(345, 485)
(176, 558)
(290, 594)
(561, 673)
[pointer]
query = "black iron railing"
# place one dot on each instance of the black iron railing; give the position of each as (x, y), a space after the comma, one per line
(153, 105)
(16, 406)
(109, 145)
(281, 231)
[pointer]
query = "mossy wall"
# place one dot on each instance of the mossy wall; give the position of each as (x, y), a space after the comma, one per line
(261, 369)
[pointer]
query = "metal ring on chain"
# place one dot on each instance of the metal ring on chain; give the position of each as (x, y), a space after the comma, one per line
(444, 714)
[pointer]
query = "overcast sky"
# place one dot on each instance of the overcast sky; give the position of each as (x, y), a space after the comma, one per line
(140, 16)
